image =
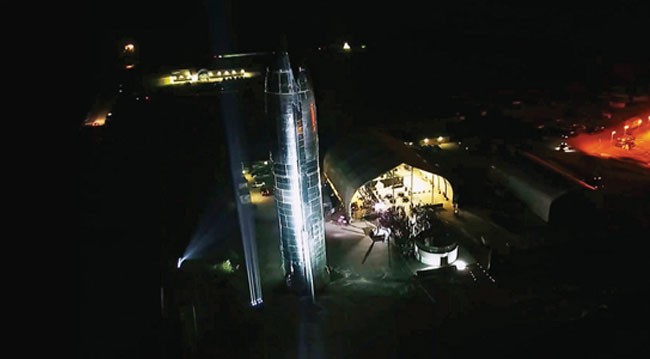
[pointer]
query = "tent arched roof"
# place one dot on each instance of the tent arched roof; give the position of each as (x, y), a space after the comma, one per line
(354, 161)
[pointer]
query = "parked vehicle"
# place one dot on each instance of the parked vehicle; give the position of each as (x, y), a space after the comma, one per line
(624, 143)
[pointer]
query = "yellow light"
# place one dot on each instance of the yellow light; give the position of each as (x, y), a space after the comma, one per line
(440, 138)
(226, 73)
(129, 66)
(346, 46)
(626, 127)
(241, 71)
(363, 46)
(209, 73)
(98, 121)
(129, 47)
(426, 140)
(218, 73)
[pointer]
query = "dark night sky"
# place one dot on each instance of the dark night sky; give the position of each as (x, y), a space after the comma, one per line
(174, 29)
(180, 32)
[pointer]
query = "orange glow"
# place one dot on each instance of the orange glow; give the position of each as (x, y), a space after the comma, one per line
(605, 146)
(97, 122)
(312, 112)
(129, 47)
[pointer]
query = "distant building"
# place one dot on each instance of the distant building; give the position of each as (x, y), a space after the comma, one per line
(547, 195)
(129, 54)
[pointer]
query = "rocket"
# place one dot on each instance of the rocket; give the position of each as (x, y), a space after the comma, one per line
(291, 106)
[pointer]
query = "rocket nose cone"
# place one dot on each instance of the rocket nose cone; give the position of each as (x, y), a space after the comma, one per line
(279, 77)
(281, 63)
(302, 79)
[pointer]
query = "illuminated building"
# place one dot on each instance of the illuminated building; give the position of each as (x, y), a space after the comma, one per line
(291, 106)
(129, 54)
(373, 172)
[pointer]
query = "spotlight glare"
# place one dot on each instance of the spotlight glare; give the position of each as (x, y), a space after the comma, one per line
(460, 265)
(380, 206)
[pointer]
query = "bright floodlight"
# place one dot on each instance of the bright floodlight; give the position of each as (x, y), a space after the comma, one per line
(460, 265)
(380, 206)
(180, 261)
(440, 138)
(426, 140)
(346, 46)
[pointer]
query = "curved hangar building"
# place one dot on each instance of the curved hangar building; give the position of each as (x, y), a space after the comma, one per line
(375, 171)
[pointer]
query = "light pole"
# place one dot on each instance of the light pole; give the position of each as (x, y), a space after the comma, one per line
(625, 130)
(612, 137)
